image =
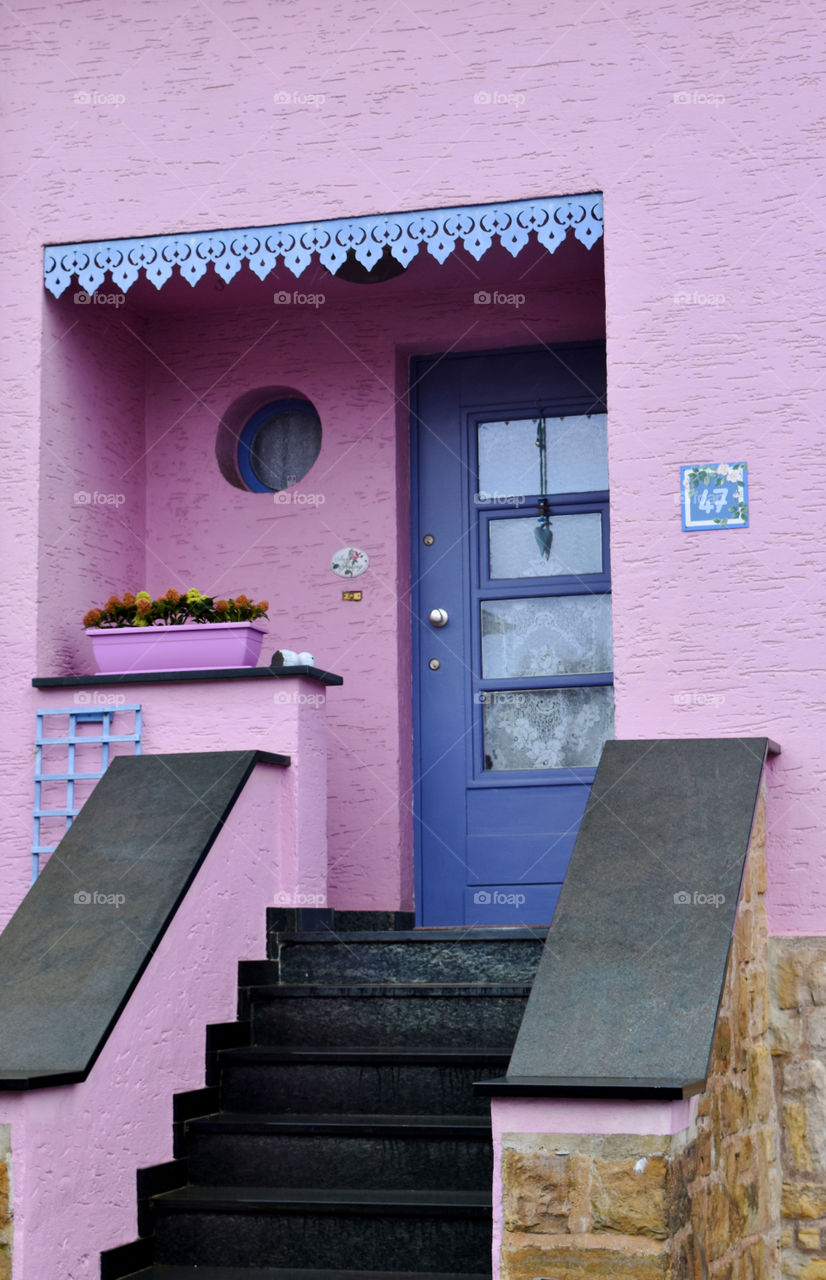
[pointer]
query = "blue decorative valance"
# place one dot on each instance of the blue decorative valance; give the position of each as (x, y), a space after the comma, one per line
(474, 226)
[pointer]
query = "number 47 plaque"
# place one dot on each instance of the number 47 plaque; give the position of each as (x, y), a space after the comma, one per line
(715, 496)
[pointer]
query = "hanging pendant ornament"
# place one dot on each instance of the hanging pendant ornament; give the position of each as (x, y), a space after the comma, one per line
(543, 532)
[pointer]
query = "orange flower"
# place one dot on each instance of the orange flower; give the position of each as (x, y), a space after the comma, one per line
(243, 601)
(221, 606)
(263, 605)
(144, 607)
(113, 603)
(172, 596)
(128, 599)
(92, 618)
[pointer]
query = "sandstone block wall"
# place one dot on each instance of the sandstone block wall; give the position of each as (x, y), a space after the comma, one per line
(724, 1171)
(798, 1041)
(704, 1204)
(585, 1205)
(5, 1203)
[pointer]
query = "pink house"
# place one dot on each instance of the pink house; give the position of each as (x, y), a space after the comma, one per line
(483, 346)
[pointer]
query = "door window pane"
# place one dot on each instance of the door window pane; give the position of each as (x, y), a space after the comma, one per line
(547, 728)
(577, 449)
(551, 636)
(576, 547)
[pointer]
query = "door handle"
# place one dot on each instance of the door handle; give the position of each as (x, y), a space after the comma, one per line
(437, 617)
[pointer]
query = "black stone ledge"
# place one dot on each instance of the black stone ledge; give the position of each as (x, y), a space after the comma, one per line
(182, 677)
(68, 965)
(628, 987)
(578, 1087)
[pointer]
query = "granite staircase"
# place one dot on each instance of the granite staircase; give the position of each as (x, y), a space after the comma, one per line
(339, 1136)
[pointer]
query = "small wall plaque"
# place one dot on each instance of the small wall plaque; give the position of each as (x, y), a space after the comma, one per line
(349, 562)
(351, 595)
(715, 495)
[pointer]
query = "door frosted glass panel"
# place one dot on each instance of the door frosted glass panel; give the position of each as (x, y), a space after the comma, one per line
(576, 547)
(547, 728)
(577, 454)
(550, 636)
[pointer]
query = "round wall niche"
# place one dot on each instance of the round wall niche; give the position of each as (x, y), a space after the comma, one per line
(268, 440)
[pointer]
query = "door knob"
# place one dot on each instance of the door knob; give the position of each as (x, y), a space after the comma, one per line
(437, 617)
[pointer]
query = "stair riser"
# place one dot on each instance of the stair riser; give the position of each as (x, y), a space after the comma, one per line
(358, 1242)
(249, 1160)
(466, 961)
(382, 1089)
(440, 1021)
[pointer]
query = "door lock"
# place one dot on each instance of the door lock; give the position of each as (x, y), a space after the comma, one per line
(437, 617)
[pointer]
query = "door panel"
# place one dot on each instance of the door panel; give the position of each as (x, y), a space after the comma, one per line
(512, 681)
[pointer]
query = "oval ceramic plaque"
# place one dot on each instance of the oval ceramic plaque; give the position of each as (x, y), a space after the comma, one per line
(349, 562)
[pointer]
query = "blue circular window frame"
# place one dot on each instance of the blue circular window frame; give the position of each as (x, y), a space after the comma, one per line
(250, 431)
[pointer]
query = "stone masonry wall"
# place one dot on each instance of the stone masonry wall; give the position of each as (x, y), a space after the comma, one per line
(584, 1205)
(798, 1016)
(5, 1203)
(701, 1205)
(724, 1184)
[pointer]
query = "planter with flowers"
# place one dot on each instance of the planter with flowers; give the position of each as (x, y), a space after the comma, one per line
(175, 632)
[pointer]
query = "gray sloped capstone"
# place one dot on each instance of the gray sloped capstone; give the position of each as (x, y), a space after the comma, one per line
(68, 959)
(630, 980)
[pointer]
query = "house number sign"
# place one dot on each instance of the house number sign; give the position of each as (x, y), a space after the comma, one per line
(715, 495)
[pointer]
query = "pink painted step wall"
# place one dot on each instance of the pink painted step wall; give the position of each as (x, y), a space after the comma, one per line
(697, 125)
(76, 1148)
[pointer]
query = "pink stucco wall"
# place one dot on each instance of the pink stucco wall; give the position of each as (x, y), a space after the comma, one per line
(203, 352)
(92, 512)
(696, 123)
(287, 716)
(75, 1149)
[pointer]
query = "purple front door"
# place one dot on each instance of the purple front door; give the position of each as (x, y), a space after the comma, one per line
(513, 690)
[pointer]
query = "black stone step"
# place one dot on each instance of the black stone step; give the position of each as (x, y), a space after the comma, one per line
(325, 919)
(382, 1013)
(290, 1273)
(385, 1080)
(251, 1226)
(422, 955)
(369, 1151)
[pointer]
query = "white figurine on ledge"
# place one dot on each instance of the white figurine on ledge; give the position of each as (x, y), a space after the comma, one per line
(289, 658)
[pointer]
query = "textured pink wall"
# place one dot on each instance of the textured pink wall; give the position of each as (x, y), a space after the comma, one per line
(343, 356)
(696, 123)
(286, 716)
(92, 510)
(75, 1149)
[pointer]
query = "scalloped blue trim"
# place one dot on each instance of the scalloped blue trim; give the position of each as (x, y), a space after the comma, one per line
(476, 226)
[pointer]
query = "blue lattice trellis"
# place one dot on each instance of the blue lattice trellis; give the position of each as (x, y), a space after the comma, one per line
(440, 230)
(73, 740)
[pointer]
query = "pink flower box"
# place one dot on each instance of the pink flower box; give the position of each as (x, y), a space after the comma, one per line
(193, 646)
